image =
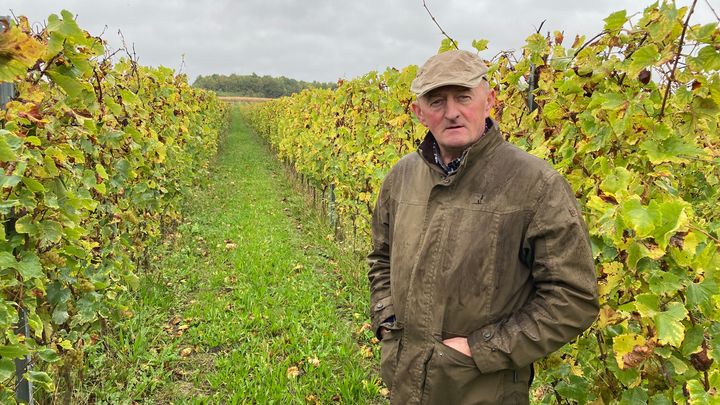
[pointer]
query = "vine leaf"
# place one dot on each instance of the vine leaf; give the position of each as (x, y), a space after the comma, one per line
(669, 324)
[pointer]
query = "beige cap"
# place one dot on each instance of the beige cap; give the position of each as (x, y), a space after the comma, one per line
(456, 67)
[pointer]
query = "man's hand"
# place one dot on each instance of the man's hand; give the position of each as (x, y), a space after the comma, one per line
(460, 344)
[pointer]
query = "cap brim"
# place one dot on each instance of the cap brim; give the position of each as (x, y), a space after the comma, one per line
(470, 85)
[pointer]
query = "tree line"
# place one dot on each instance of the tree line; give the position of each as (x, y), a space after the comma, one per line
(256, 86)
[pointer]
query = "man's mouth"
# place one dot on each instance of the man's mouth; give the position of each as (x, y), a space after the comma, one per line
(454, 126)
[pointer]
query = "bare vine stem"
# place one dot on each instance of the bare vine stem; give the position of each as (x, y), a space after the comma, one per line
(454, 42)
(671, 77)
(712, 9)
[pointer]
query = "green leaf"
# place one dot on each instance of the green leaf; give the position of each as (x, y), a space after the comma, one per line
(699, 294)
(647, 305)
(445, 45)
(693, 339)
(30, 267)
(7, 154)
(63, 78)
(612, 101)
(640, 219)
(50, 167)
(480, 44)
(57, 294)
(669, 324)
(7, 260)
(536, 44)
(660, 399)
(7, 369)
(634, 396)
(577, 389)
(48, 355)
(50, 231)
(25, 225)
(8, 315)
(698, 395)
(9, 181)
(101, 171)
(617, 181)
(571, 85)
(13, 351)
(616, 20)
(673, 217)
(644, 57)
(60, 314)
(663, 282)
(708, 58)
(33, 185)
(553, 112)
(672, 149)
(42, 379)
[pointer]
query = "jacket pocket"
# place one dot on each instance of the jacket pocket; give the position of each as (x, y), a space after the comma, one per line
(517, 386)
(389, 348)
(453, 378)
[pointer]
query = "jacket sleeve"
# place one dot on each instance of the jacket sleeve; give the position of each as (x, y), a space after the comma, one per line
(381, 304)
(565, 302)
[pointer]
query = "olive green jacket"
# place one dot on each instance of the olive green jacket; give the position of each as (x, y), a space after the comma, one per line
(497, 253)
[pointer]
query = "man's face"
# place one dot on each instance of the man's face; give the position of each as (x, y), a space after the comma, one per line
(455, 115)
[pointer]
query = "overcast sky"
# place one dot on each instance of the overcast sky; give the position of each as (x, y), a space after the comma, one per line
(322, 40)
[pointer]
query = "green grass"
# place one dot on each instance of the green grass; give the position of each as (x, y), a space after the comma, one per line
(250, 301)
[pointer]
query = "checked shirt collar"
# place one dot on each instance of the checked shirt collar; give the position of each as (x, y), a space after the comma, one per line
(452, 167)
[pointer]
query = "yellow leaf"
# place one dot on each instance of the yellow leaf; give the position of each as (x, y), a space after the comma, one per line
(366, 352)
(19, 46)
(293, 372)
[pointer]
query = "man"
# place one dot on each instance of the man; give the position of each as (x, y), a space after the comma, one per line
(481, 262)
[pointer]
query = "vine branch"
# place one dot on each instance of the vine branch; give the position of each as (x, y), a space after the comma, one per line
(712, 9)
(454, 42)
(671, 77)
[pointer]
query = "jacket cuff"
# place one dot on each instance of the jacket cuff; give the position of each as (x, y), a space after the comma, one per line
(380, 311)
(488, 358)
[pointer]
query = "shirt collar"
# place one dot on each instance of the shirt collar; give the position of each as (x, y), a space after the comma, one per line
(452, 167)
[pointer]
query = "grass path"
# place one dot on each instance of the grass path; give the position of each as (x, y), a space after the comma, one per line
(250, 301)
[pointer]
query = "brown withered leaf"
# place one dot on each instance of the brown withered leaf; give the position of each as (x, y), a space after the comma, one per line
(637, 356)
(293, 372)
(700, 360)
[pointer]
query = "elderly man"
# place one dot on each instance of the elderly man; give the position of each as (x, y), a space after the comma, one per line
(481, 261)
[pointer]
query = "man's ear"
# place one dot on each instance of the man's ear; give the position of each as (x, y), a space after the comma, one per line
(418, 112)
(490, 101)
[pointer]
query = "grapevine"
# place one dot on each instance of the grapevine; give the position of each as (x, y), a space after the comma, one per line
(631, 119)
(95, 157)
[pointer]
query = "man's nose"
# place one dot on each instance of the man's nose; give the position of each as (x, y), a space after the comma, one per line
(451, 110)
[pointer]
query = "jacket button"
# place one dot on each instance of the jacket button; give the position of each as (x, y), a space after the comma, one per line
(487, 335)
(379, 306)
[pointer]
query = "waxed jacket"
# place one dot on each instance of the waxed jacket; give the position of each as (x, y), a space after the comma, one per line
(497, 252)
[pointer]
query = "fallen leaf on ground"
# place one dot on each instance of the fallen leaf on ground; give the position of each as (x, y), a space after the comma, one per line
(366, 352)
(186, 352)
(293, 372)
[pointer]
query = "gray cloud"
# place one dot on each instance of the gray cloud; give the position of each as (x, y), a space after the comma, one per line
(323, 39)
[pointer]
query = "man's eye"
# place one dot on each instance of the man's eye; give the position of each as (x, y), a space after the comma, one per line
(436, 102)
(464, 98)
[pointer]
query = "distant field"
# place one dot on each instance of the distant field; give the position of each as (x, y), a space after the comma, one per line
(241, 99)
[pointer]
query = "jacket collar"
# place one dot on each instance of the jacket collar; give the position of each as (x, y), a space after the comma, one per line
(484, 146)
